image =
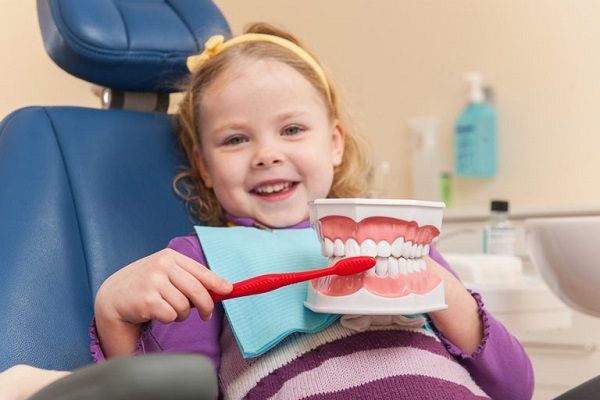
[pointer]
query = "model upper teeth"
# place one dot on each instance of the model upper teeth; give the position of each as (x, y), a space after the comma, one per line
(273, 188)
(399, 257)
(350, 248)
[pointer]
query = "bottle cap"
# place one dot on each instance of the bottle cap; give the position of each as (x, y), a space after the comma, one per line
(499, 205)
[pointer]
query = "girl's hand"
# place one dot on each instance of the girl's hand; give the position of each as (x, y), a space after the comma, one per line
(460, 322)
(22, 381)
(163, 286)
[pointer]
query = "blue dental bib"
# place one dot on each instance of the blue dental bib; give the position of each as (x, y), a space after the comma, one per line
(260, 322)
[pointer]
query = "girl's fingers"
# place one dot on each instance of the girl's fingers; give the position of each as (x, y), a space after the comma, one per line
(194, 290)
(164, 313)
(160, 286)
(187, 284)
(208, 279)
(178, 303)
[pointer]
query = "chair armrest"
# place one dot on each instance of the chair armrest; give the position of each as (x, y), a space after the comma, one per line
(151, 377)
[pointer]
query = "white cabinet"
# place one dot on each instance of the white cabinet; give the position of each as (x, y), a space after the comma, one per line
(564, 345)
(564, 358)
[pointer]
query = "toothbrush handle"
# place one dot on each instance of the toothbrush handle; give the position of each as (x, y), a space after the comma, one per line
(266, 283)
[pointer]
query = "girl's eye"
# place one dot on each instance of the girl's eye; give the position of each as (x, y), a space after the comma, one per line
(292, 130)
(235, 140)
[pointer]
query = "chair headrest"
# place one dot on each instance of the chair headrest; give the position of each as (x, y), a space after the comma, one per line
(128, 45)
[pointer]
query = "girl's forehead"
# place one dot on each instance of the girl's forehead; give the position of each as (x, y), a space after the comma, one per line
(258, 91)
(253, 73)
(243, 65)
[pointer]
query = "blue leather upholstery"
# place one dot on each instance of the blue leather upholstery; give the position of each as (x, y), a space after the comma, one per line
(81, 195)
(128, 45)
(85, 191)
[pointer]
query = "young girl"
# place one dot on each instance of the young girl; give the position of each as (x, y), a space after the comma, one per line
(262, 127)
(263, 130)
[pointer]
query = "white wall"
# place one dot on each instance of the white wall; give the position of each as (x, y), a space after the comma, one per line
(399, 58)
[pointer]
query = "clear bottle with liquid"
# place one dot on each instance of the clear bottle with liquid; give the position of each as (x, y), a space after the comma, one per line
(499, 235)
(426, 165)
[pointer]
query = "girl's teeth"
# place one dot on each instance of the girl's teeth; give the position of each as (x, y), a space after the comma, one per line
(273, 188)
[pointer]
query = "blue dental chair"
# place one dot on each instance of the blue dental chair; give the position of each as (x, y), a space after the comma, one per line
(84, 192)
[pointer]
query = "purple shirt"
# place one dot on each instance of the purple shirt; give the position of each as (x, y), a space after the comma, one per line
(499, 365)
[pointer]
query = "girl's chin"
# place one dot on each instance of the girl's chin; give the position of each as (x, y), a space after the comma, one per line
(283, 220)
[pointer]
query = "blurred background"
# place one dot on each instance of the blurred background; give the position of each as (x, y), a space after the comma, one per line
(398, 59)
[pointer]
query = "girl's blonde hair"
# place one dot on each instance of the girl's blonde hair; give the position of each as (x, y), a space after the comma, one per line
(351, 178)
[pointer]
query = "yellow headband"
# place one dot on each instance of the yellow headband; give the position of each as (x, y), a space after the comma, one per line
(216, 44)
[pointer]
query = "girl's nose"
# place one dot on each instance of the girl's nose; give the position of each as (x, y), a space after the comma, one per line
(267, 157)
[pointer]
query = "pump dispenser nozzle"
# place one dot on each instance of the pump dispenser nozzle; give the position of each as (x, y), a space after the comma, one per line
(476, 94)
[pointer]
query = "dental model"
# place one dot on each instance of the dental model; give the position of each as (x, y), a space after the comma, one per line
(398, 233)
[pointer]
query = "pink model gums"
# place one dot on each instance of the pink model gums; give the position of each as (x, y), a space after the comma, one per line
(398, 233)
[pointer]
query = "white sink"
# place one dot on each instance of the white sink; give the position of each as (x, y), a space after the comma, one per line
(566, 252)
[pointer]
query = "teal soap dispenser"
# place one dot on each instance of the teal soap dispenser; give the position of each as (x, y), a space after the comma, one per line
(475, 134)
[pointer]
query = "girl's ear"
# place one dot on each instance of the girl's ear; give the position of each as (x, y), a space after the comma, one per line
(201, 167)
(338, 143)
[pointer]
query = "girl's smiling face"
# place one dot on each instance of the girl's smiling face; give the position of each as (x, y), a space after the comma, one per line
(268, 143)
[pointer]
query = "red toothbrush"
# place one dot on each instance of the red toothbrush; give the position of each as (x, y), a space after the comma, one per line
(268, 282)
